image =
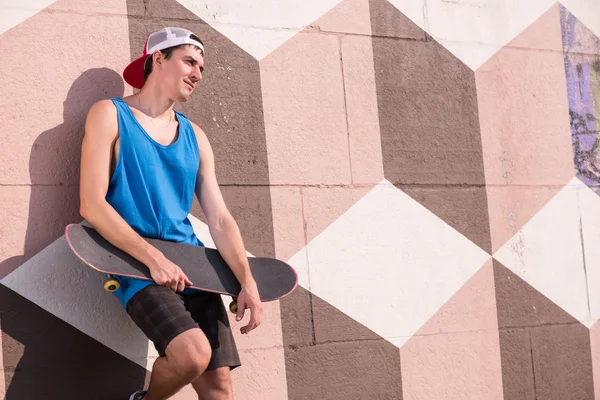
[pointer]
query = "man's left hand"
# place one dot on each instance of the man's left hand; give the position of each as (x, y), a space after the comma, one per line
(249, 298)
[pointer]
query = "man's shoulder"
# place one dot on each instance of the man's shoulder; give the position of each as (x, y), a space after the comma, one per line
(198, 132)
(104, 107)
(102, 118)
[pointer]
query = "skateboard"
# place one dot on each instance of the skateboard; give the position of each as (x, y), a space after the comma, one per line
(203, 266)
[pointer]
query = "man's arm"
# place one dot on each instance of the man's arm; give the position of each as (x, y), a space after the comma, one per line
(225, 232)
(101, 129)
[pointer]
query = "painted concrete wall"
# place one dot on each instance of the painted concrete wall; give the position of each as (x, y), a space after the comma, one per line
(430, 167)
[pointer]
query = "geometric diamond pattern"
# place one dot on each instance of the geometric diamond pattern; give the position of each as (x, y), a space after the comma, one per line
(396, 240)
(430, 167)
(473, 30)
(13, 14)
(545, 352)
(259, 28)
(521, 179)
(40, 172)
(460, 340)
(547, 253)
(431, 145)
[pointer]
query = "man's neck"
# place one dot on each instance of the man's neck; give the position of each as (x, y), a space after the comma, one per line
(152, 102)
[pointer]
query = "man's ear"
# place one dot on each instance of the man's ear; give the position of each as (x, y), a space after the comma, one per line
(157, 57)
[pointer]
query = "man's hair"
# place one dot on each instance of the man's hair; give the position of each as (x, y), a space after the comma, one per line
(168, 52)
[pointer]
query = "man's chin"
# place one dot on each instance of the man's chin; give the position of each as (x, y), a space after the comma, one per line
(183, 97)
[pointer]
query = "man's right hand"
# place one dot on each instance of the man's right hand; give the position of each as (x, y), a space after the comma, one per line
(166, 273)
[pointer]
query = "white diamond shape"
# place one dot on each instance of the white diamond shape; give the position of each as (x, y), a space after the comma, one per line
(389, 263)
(259, 27)
(586, 11)
(547, 253)
(473, 30)
(12, 13)
(589, 203)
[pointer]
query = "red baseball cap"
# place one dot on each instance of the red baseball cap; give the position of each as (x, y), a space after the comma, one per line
(160, 40)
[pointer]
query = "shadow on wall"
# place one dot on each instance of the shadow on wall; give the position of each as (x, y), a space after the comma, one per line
(44, 356)
(54, 165)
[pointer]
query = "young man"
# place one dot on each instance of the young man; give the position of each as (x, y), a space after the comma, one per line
(141, 164)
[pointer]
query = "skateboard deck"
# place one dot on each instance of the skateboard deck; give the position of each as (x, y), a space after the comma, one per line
(204, 266)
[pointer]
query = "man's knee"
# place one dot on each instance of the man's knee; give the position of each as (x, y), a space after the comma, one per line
(189, 353)
(192, 365)
(220, 379)
(215, 384)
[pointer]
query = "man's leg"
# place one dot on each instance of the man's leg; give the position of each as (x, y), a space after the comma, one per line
(184, 349)
(208, 311)
(185, 359)
(214, 385)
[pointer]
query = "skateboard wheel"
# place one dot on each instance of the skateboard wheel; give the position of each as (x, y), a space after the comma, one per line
(111, 285)
(233, 307)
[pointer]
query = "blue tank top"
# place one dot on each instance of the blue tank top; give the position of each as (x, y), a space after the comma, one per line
(152, 186)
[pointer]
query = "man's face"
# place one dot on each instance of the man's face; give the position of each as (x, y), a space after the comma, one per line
(182, 72)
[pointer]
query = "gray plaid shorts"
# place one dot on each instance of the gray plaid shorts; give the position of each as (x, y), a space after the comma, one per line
(163, 314)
